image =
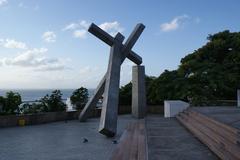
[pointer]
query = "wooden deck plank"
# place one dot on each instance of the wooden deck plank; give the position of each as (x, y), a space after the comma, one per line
(132, 145)
(222, 139)
(207, 140)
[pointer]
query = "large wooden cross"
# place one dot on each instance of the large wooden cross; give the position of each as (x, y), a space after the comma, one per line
(109, 85)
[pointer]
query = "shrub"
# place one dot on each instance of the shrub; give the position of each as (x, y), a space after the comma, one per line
(31, 108)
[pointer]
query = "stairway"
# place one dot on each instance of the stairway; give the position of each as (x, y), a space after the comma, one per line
(222, 139)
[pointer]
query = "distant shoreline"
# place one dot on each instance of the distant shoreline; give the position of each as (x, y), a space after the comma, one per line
(36, 94)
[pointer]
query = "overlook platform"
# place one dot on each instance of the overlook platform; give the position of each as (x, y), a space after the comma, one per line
(166, 138)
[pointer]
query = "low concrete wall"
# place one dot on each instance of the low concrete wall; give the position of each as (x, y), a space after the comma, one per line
(47, 117)
(31, 119)
(152, 109)
(155, 109)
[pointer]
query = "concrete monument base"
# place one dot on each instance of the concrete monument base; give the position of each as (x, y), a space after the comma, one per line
(173, 107)
(138, 92)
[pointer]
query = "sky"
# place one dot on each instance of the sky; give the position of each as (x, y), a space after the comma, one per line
(45, 43)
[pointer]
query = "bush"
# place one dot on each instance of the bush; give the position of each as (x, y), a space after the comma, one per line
(53, 103)
(79, 97)
(31, 108)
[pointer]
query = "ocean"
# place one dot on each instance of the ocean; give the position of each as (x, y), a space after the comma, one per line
(36, 94)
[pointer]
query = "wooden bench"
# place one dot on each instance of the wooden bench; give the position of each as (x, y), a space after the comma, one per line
(222, 139)
(132, 144)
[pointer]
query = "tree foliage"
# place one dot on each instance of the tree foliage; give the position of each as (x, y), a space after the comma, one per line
(79, 97)
(203, 77)
(53, 103)
(125, 94)
(9, 104)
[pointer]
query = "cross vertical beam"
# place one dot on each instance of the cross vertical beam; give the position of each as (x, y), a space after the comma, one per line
(108, 120)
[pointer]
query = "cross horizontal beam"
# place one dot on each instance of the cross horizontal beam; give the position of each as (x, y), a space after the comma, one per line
(107, 38)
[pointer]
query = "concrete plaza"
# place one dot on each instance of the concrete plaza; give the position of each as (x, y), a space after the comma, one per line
(59, 140)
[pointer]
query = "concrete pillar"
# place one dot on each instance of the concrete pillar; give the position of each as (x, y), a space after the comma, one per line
(238, 97)
(138, 92)
(108, 120)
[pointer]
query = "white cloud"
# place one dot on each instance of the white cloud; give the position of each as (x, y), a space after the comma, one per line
(49, 36)
(3, 2)
(84, 24)
(111, 27)
(11, 43)
(80, 25)
(70, 26)
(174, 24)
(36, 59)
(51, 67)
(80, 28)
(80, 33)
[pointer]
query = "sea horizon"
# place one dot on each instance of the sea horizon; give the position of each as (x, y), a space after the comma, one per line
(36, 94)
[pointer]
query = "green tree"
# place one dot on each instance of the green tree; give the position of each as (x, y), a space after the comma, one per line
(125, 94)
(12, 101)
(53, 103)
(2, 104)
(79, 97)
(209, 74)
(212, 71)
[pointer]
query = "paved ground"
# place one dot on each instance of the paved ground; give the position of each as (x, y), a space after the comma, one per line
(58, 141)
(229, 115)
(169, 140)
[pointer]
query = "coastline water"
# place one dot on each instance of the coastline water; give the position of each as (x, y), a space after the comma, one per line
(36, 94)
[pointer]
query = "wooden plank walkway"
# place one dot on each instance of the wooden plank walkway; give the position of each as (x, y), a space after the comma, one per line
(222, 139)
(132, 145)
(228, 115)
(211, 133)
(169, 140)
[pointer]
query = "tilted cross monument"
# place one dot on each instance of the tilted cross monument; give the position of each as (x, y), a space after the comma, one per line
(109, 85)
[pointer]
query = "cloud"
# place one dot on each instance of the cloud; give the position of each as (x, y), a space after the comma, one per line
(174, 24)
(51, 67)
(49, 36)
(111, 27)
(80, 25)
(70, 26)
(3, 2)
(11, 43)
(80, 33)
(36, 59)
(79, 29)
